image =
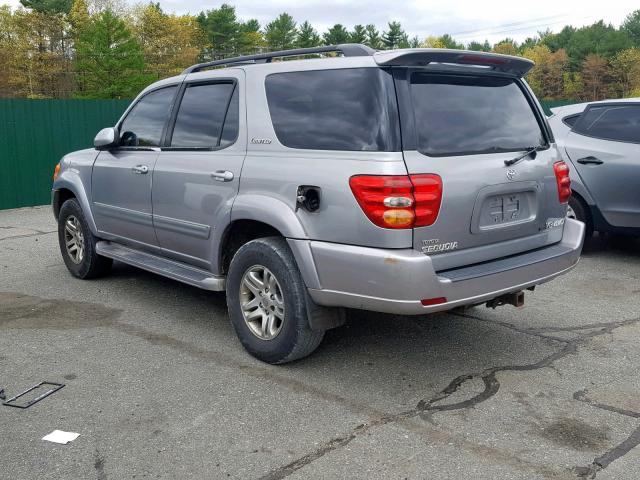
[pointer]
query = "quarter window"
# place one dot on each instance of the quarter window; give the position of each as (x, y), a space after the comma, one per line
(348, 109)
(201, 117)
(144, 124)
(611, 122)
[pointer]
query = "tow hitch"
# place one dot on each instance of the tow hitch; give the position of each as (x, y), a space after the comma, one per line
(516, 299)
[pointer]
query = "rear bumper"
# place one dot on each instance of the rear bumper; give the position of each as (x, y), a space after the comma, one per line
(395, 281)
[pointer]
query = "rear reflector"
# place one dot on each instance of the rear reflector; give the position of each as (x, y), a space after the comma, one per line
(561, 170)
(433, 301)
(398, 201)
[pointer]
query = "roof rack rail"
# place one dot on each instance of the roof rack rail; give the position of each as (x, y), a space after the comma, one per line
(347, 49)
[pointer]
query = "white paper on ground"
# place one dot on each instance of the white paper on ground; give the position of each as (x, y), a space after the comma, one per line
(58, 436)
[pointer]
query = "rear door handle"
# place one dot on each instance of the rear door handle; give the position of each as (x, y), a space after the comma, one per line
(141, 169)
(590, 160)
(222, 175)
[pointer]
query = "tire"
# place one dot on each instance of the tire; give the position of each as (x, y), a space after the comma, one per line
(285, 335)
(82, 262)
(578, 211)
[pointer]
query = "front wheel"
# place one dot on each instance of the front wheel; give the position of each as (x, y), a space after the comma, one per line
(77, 243)
(267, 302)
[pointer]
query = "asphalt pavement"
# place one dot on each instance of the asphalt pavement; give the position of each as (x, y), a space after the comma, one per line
(158, 386)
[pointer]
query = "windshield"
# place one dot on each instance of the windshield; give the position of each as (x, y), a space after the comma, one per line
(463, 114)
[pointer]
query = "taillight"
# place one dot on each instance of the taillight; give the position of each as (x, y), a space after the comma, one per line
(398, 201)
(561, 170)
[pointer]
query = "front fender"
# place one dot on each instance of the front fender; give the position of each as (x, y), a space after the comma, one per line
(69, 179)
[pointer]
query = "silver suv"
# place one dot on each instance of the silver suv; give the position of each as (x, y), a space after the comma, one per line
(408, 181)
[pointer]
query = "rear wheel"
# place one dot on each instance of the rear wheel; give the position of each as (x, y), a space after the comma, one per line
(77, 243)
(267, 302)
(577, 210)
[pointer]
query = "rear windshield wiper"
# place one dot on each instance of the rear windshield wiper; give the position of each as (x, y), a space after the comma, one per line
(529, 151)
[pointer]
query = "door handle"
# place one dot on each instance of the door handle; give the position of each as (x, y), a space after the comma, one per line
(590, 160)
(222, 175)
(141, 169)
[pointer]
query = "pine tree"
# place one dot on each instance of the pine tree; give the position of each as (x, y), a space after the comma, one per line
(109, 61)
(307, 36)
(358, 35)
(373, 37)
(336, 35)
(281, 33)
(395, 37)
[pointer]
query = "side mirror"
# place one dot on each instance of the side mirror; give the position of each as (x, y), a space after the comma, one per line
(106, 138)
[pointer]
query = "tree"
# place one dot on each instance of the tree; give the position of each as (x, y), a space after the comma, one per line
(547, 76)
(307, 36)
(432, 42)
(477, 46)
(447, 41)
(169, 43)
(222, 30)
(631, 26)
(626, 70)
(599, 38)
(250, 38)
(281, 33)
(78, 17)
(358, 34)
(395, 37)
(48, 6)
(594, 76)
(506, 47)
(336, 35)
(109, 60)
(373, 37)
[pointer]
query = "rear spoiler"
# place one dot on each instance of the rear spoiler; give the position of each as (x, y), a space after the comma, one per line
(409, 57)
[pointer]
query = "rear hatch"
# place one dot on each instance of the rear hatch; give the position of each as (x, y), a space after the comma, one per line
(465, 117)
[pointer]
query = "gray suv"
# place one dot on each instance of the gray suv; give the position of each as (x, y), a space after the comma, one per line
(407, 181)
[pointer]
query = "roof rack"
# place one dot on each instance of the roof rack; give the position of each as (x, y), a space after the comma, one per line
(347, 49)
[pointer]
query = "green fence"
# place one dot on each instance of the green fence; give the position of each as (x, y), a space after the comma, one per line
(35, 134)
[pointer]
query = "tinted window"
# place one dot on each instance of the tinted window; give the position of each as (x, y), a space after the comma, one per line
(143, 125)
(611, 122)
(571, 120)
(350, 109)
(201, 115)
(467, 114)
(232, 122)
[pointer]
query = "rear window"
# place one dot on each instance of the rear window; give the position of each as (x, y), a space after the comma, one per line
(349, 109)
(462, 114)
(611, 122)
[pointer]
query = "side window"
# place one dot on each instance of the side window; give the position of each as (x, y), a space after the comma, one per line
(347, 109)
(611, 122)
(201, 116)
(144, 124)
(571, 120)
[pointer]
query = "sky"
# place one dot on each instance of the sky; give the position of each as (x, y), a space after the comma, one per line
(464, 20)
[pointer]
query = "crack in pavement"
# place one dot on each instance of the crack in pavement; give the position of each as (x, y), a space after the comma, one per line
(624, 447)
(38, 233)
(425, 407)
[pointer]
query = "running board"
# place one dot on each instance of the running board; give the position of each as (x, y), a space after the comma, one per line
(169, 268)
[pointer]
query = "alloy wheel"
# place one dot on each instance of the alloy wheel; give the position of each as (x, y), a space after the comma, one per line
(74, 239)
(262, 302)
